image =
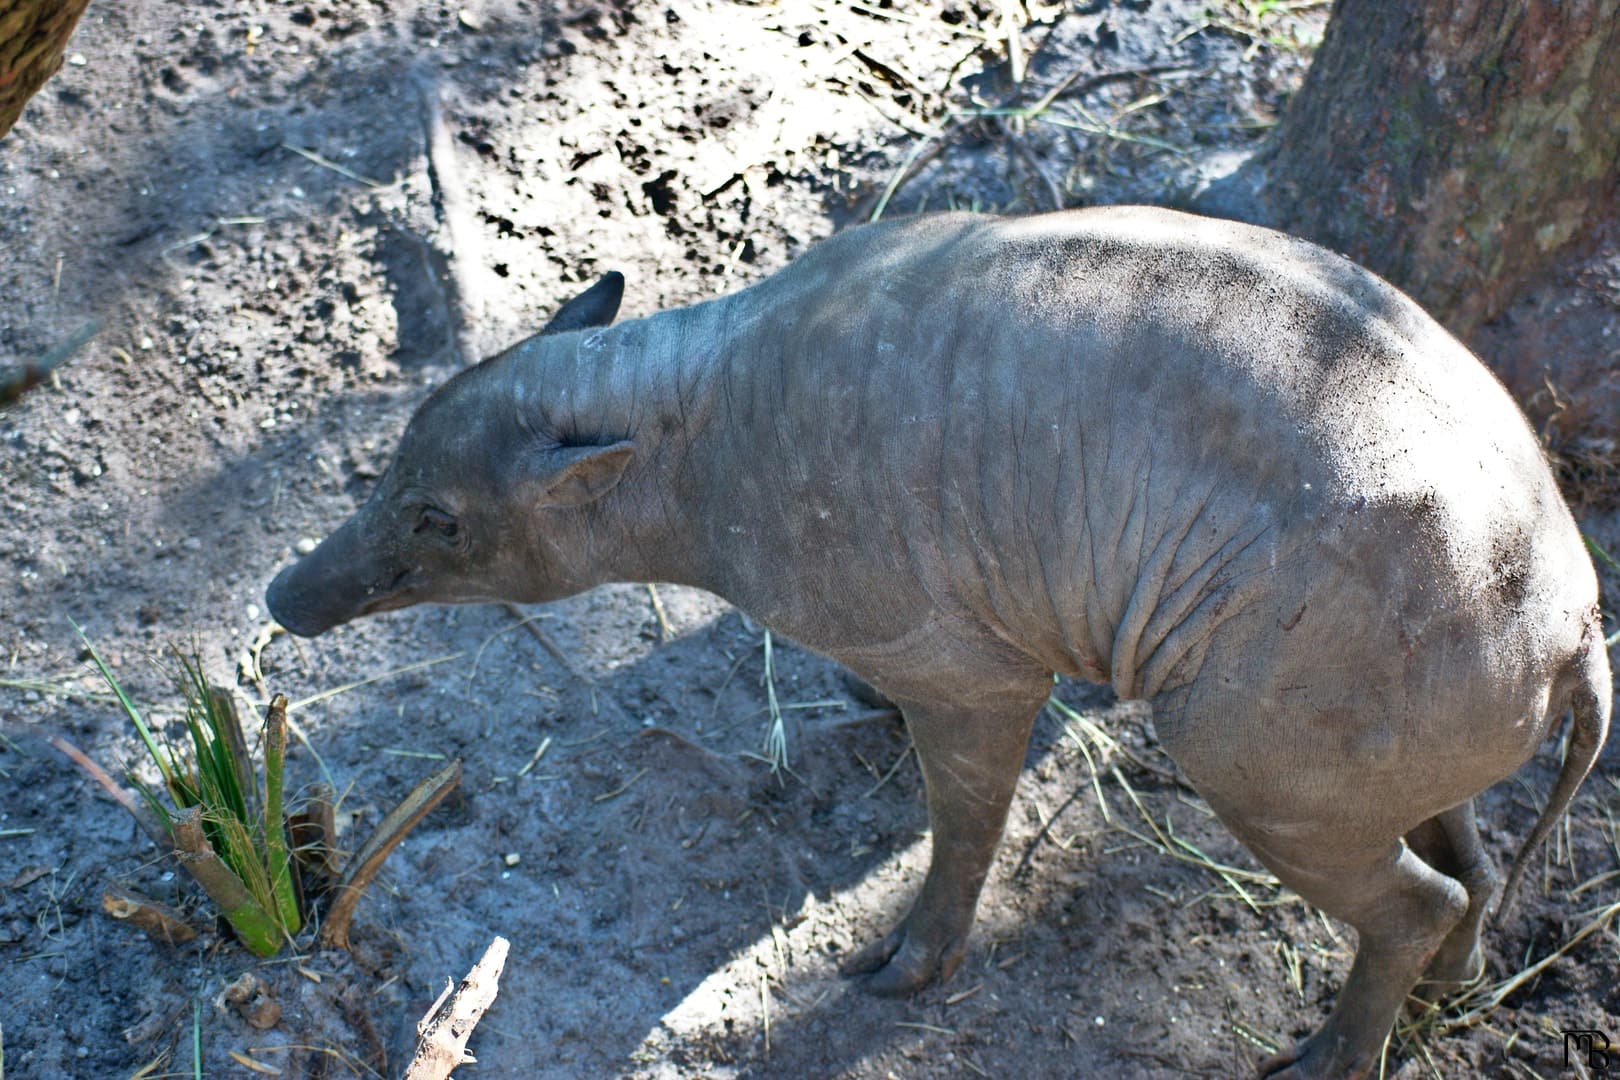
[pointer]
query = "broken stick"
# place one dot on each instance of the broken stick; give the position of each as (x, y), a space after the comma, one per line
(160, 921)
(443, 1031)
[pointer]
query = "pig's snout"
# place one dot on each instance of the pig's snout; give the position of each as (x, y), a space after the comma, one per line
(290, 605)
(343, 578)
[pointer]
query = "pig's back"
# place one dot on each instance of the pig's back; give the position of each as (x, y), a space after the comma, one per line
(1104, 434)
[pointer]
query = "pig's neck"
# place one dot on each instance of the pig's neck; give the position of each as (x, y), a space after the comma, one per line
(646, 380)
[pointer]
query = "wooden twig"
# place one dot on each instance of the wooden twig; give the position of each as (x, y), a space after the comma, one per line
(442, 1033)
(159, 921)
(17, 382)
(143, 817)
(314, 835)
(369, 859)
(462, 239)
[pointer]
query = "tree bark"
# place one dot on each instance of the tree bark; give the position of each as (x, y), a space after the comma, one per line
(1457, 148)
(1468, 151)
(33, 36)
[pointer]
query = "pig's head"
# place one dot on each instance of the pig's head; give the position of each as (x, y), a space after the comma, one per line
(479, 504)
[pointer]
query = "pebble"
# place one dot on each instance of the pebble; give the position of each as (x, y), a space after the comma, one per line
(253, 611)
(305, 545)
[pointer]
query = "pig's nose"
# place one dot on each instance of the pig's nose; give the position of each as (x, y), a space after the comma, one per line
(288, 606)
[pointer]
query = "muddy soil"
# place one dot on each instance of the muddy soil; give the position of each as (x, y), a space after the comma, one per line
(293, 219)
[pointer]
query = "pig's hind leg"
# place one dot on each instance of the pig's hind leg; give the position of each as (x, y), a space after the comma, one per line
(1402, 910)
(1450, 843)
(970, 756)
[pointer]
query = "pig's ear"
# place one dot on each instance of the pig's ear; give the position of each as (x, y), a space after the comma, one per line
(582, 474)
(594, 307)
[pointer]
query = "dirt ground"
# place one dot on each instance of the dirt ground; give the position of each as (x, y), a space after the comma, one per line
(291, 221)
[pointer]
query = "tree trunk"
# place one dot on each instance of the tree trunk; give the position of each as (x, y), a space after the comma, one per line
(1468, 151)
(33, 36)
(1457, 148)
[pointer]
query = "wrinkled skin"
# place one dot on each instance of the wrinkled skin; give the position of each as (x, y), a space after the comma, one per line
(1224, 470)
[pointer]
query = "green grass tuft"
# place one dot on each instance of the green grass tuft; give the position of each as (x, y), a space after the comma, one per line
(241, 858)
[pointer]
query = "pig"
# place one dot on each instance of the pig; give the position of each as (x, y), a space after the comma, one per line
(1220, 468)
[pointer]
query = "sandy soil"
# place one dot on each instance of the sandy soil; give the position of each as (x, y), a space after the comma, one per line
(294, 219)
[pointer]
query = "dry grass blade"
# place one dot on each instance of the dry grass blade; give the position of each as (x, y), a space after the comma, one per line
(886, 777)
(1011, 29)
(389, 832)
(620, 790)
(304, 703)
(665, 631)
(1592, 883)
(922, 152)
(1168, 843)
(1077, 82)
(253, 1065)
(765, 1009)
(328, 163)
(1496, 993)
(354, 1065)
(540, 752)
(1084, 729)
(1082, 737)
(574, 670)
(776, 734)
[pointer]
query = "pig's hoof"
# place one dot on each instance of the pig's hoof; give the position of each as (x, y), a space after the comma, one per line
(1310, 1061)
(901, 963)
(1450, 971)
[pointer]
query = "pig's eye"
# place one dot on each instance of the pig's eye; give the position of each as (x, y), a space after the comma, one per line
(439, 521)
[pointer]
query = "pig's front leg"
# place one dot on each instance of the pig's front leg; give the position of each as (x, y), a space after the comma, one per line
(970, 758)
